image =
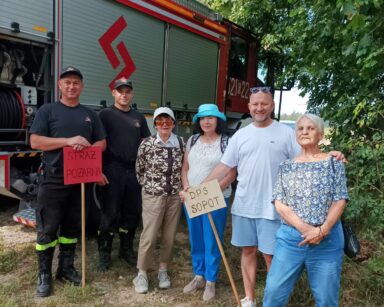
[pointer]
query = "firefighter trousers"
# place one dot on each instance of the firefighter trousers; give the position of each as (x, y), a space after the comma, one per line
(121, 200)
(58, 212)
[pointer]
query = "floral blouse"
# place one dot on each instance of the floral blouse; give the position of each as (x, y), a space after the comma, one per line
(310, 188)
(158, 168)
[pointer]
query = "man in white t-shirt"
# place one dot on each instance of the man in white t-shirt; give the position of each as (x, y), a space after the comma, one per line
(257, 151)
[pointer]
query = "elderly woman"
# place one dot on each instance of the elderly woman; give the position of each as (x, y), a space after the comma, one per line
(310, 195)
(158, 167)
(203, 153)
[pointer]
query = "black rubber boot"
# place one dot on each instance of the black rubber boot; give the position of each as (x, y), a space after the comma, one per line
(126, 251)
(104, 241)
(66, 270)
(44, 279)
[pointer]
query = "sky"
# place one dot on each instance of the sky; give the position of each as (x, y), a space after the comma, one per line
(291, 102)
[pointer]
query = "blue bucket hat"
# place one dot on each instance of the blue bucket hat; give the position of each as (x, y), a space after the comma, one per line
(208, 109)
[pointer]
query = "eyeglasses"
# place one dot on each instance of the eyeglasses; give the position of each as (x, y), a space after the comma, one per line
(264, 89)
(160, 123)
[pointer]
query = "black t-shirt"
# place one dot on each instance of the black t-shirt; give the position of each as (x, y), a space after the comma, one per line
(60, 121)
(125, 130)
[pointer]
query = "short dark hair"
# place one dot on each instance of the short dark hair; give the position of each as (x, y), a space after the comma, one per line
(221, 127)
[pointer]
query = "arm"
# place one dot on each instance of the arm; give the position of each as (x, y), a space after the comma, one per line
(340, 196)
(140, 164)
(219, 172)
(46, 143)
(102, 144)
(228, 179)
(339, 156)
(291, 218)
(184, 177)
(184, 172)
(310, 234)
(145, 132)
(334, 214)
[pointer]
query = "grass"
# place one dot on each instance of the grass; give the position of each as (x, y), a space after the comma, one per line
(8, 260)
(362, 280)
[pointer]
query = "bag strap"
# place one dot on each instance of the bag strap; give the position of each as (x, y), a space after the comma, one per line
(181, 145)
(224, 142)
(194, 139)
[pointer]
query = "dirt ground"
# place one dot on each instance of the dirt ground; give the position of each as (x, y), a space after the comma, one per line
(113, 288)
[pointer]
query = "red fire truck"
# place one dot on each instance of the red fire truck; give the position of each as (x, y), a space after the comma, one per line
(177, 53)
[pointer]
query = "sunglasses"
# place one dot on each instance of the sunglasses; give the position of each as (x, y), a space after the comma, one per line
(264, 89)
(160, 123)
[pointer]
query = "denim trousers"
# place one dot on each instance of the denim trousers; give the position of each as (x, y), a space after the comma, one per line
(205, 252)
(322, 263)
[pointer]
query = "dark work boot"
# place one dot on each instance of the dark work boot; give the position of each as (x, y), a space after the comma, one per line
(126, 251)
(104, 241)
(66, 270)
(44, 279)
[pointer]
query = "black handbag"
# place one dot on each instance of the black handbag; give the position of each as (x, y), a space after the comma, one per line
(351, 243)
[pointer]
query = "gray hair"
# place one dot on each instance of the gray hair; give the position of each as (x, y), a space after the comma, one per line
(319, 123)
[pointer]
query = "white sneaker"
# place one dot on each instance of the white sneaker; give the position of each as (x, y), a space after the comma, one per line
(246, 302)
(195, 284)
(164, 280)
(141, 284)
(209, 292)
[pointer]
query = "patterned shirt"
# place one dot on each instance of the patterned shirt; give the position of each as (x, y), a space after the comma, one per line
(310, 188)
(158, 168)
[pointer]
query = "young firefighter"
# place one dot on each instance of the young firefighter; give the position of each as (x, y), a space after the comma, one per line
(121, 198)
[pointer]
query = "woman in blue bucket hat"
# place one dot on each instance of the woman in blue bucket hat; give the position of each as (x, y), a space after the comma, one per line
(203, 153)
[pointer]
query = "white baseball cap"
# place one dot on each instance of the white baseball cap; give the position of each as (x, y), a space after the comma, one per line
(163, 110)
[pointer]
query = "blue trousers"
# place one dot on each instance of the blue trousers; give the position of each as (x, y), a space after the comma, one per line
(322, 262)
(205, 253)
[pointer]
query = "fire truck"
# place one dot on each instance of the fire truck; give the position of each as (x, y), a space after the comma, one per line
(177, 53)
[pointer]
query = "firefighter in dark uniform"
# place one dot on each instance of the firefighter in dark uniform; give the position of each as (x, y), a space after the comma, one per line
(58, 214)
(121, 198)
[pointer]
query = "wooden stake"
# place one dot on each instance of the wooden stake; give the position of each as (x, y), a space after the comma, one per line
(224, 259)
(82, 235)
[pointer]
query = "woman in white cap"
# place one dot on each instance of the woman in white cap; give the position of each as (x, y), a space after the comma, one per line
(158, 168)
(203, 153)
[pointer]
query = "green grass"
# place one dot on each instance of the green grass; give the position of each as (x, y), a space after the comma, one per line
(8, 260)
(362, 282)
(78, 295)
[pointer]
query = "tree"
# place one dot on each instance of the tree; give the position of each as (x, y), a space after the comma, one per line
(334, 51)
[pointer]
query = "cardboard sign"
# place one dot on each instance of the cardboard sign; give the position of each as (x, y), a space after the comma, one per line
(204, 198)
(82, 166)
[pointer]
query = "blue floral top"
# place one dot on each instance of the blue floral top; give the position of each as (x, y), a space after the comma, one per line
(309, 188)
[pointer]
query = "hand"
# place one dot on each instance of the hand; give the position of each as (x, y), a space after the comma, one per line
(78, 142)
(313, 235)
(104, 181)
(183, 193)
(339, 156)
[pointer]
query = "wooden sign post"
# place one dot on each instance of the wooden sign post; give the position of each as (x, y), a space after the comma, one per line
(81, 166)
(204, 199)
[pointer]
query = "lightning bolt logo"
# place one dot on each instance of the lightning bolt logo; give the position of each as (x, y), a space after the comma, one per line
(105, 42)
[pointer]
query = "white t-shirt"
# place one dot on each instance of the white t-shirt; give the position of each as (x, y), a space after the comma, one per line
(202, 159)
(257, 154)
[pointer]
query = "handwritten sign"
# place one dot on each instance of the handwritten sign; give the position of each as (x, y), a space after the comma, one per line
(82, 166)
(204, 198)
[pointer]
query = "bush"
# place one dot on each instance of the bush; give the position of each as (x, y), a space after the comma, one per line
(365, 174)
